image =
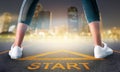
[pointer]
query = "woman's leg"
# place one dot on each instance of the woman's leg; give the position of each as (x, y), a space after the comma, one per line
(20, 32)
(92, 14)
(25, 17)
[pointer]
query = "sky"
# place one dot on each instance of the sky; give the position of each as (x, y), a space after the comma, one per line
(109, 9)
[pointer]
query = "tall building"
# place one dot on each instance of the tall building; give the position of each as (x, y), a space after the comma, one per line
(34, 22)
(5, 21)
(73, 20)
(41, 19)
(44, 20)
(85, 27)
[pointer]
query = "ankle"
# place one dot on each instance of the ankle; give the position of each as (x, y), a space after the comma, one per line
(16, 45)
(101, 45)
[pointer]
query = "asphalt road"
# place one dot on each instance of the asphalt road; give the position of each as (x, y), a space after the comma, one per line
(73, 55)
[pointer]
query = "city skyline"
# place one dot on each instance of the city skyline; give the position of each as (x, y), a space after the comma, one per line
(108, 9)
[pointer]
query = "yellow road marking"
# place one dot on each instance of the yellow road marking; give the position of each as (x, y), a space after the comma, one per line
(4, 52)
(36, 57)
(116, 51)
(79, 54)
(60, 59)
(58, 65)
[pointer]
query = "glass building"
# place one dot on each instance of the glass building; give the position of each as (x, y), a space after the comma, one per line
(73, 20)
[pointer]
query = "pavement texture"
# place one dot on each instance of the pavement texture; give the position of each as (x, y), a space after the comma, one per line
(58, 55)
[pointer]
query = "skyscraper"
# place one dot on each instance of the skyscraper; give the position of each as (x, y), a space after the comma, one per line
(73, 22)
(41, 20)
(5, 21)
(34, 22)
(84, 27)
(44, 20)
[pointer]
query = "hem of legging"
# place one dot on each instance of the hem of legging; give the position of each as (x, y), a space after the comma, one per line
(27, 23)
(93, 21)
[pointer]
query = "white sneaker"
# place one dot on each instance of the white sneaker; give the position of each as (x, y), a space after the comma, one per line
(101, 52)
(15, 52)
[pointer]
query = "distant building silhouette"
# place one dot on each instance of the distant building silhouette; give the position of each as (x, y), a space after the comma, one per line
(34, 22)
(85, 27)
(5, 21)
(44, 20)
(73, 20)
(41, 19)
